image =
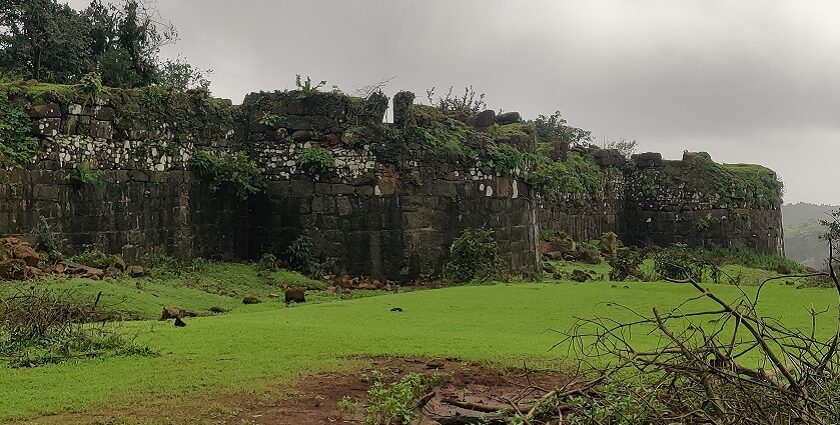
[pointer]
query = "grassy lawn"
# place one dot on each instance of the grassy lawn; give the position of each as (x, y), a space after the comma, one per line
(504, 324)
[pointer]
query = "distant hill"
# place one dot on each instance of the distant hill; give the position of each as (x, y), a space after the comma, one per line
(802, 231)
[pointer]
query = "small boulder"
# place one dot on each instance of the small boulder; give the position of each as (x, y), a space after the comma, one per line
(580, 275)
(250, 299)
(23, 251)
(485, 119)
(508, 118)
(137, 271)
(15, 269)
(175, 312)
(216, 310)
(295, 295)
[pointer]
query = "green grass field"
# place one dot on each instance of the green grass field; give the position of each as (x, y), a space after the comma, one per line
(269, 343)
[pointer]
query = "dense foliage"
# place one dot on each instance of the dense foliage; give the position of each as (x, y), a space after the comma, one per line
(16, 142)
(229, 169)
(50, 41)
(473, 255)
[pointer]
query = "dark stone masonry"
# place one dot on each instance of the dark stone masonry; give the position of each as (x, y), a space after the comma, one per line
(377, 212)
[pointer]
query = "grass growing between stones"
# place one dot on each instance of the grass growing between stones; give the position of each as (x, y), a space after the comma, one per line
(503, 324)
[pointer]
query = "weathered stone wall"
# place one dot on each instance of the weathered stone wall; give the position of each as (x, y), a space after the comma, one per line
(389, 205)
(148, 203)
(589, 219)
(652, 201)
(369, 215)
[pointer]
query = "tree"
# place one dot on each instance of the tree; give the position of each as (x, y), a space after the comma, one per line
(51, 42)
(554, 128)
(42, 39)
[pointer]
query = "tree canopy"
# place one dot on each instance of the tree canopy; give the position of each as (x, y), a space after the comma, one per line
(51, 42)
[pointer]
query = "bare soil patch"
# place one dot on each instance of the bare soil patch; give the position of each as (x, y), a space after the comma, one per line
(314, 399)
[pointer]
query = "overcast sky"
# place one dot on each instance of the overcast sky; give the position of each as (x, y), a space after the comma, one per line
(748, 81)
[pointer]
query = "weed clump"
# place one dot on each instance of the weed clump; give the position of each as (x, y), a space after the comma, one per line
(394, 404)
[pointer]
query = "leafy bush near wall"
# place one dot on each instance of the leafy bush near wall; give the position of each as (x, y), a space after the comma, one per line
(506, 158)
(16, 143)
(302, 258)
(316, 160)
(473, 255)
(576, 176)
(228, 169)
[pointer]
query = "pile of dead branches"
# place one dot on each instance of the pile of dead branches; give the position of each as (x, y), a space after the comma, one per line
(727, 364)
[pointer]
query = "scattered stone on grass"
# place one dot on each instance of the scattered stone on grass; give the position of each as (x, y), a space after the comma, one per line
(295, 295)
(250, 299)
(175, 312)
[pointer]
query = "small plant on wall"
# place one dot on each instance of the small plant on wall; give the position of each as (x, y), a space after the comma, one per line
(233, 169)
(85, 176)
(315, 161)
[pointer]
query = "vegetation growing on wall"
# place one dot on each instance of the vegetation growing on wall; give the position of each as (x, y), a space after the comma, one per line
(16, 143)
(86, 176)
(316, 161)
(235, 170)
(731, 184)
(576, 177)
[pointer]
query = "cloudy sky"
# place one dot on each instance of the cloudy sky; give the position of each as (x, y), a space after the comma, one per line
(748, 81)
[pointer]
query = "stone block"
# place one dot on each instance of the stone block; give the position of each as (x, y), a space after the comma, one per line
(48, 110)
(46, 127)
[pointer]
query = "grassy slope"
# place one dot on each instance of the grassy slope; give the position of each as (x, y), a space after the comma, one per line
(217, 285)
(502, 323)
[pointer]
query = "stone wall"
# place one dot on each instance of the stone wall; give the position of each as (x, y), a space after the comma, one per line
(389, 205)
(370, 214)
(648, 200)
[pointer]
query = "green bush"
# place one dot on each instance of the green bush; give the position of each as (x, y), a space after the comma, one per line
(229, 169)
(315, 161)
(626, 264)
(576, 176)
(16, 142)
(301, 255)
(268, 262)
(473, 255)
(758, 260)
(678, 262)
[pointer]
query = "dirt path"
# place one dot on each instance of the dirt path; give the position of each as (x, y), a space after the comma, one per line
(315, 399)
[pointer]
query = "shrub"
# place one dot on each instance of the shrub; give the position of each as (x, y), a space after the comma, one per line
(268, 262)
(39, 327)
(626, 264)
(229, 169)
(473, 255)
(678, 262)
(49, 241)
(759, 260)
(98, 259)
(16, 142)
(315, 161)
(302, 257)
